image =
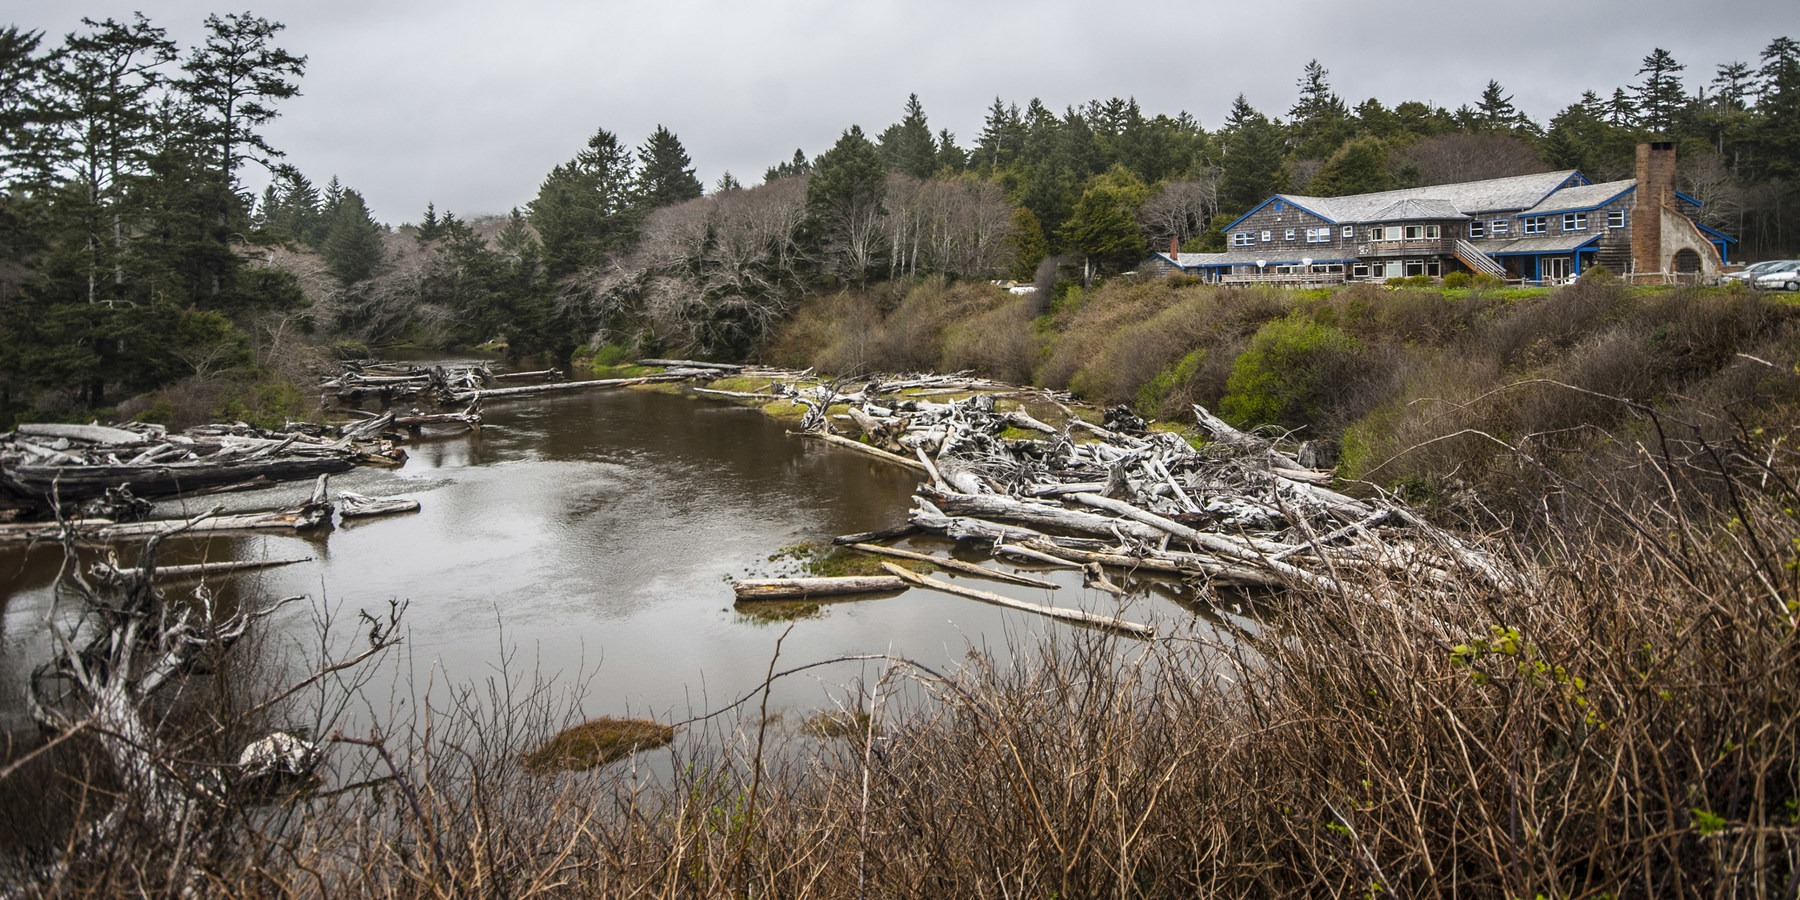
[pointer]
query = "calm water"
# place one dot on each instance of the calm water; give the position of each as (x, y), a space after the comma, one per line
(593, 533)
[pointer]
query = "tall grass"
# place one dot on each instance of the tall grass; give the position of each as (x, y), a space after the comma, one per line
(1626, 724)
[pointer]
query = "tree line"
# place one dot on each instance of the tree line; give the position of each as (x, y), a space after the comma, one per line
(131, 254)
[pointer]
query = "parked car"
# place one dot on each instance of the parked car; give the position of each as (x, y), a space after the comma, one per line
(1748, 274)
(1785, 277)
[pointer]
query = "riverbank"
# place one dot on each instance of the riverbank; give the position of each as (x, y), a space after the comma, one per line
(1619, 722)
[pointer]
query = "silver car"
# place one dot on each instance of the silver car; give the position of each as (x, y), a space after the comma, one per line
(1785, 277)
(1748, 274)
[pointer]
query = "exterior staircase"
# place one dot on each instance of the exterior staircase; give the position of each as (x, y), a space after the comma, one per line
(1470, 255)
(1614, 254)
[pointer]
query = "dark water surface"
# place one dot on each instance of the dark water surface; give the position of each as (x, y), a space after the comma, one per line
(592, 533)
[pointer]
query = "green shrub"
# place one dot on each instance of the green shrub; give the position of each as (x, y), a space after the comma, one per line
(1456, 281)
(1293, 370)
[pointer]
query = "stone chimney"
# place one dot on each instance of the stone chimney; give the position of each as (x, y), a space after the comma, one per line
(1655, 192)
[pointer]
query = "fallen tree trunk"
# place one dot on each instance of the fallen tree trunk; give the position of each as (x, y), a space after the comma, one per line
(113, 574)
(530, 389)
(749, 589)
(967, 568)
(1055, 612)
(167, 479)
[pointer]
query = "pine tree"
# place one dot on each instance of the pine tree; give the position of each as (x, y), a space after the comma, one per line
(728, 182)
(1251, 160)
(665, 176)
(583, 209)
(793, 168)
(353, 249)
(1660, 96)
(1358, 167)
(844, 203)
(907, 147)
(1495, 111)
(236, 76)
(1002, 138)
(1319, 120)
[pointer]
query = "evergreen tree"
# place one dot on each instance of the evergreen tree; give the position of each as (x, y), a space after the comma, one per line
(1495, 110)
(353, 249)
(104, 82)
(430, 226)
(907, 147)
(1660, 96)
(844, 204)
(236, 77)
(1777, 125)
(1319, 121)
(1358, 167)
(950, 158)
(26, 118)
(1251, 160)
(665, 176)
(583, 208)
(1002, 138)
(791, 169)
(1104, 224)
(1621, 110)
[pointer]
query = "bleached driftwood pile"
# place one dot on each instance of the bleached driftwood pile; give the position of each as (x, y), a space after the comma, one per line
(390, 381)
(1236, 511)
(75, 463)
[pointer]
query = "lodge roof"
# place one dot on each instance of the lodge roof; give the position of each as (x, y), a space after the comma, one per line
(1582, 197)
(1509, 194)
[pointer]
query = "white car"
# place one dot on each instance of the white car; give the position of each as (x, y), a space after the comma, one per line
(1748, 274)
(1785, 277)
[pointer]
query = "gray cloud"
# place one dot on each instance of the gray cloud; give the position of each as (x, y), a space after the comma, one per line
(468, 104)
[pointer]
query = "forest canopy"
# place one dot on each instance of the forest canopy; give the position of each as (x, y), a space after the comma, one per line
(133, 255)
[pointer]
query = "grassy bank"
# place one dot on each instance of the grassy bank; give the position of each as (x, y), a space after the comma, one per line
(1624, 724)
(1438, 394)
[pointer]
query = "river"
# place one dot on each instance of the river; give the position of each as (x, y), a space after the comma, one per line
(590, 536)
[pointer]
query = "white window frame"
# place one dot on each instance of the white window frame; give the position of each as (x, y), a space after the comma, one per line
(1288, 235)
(1534, 225)
(1349, 231)
(1477, 229)
(1267, 236)
(1576, 221)
(1243, 239)
(1499, 227)
(1615, 218)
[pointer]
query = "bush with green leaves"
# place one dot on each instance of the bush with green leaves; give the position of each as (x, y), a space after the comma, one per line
(1293, 371)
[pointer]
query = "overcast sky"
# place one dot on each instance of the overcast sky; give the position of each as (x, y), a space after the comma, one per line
(469, 104)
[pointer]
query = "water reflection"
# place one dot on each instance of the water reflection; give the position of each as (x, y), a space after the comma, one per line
(594, 532)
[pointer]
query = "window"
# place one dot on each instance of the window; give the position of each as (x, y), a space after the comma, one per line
(1499, 227)
(1535, 224)
(1615, 218)
(1415, 232)
(1431, 232)
(1349, 231)
(1574, 221)
(1289, 235)
(1268, 236)
(1359, 270)
(1318, 235)
(1476, 230)
(1243, 239)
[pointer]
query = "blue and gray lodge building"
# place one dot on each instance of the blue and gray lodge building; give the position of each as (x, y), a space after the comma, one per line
(1544, 229)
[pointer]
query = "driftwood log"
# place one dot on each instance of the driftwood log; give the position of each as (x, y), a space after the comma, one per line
(749, 589)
